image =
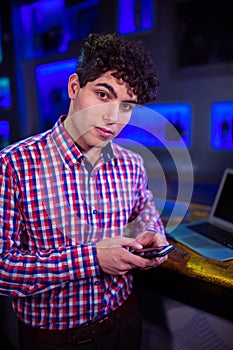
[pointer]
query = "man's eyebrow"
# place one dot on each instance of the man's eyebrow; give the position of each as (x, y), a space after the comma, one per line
(109, 87)
(130, 101)
(113, 92)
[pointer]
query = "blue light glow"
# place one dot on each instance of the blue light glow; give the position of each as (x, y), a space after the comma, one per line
(179, 115)
(4, 128)
(222, 125)
(38, 18)
(52, 80)
(5, 92)
(4, 133)
(135, 16)
(49, 26)
(0, 42)
(159, 125)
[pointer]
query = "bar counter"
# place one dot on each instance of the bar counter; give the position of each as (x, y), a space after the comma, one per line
(189, 263)
(191, 278)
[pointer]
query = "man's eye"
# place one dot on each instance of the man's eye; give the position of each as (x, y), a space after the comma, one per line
(127, 106)
(102, 94)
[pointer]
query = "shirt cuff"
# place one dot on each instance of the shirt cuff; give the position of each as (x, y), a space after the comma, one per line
(83, 261)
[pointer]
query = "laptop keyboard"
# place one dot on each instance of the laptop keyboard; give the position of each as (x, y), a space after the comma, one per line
(217, 234)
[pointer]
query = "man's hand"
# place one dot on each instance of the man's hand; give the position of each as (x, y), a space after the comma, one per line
(153, 239)
(113, 254)
(115, 258)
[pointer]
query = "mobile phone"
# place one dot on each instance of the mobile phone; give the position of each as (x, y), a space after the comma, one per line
(153, 252)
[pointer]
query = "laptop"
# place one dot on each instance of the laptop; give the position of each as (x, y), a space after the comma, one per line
(212, 238)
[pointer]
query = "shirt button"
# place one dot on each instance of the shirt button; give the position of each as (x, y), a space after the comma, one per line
(96, 283)
(94, 211)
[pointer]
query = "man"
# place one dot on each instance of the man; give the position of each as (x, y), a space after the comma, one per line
(72, 206)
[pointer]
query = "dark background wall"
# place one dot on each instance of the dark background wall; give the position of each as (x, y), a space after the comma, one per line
(190, 42)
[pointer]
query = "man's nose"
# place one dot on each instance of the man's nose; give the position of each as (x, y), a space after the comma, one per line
(110, 112)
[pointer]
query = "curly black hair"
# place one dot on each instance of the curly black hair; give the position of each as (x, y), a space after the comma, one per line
(126, 57)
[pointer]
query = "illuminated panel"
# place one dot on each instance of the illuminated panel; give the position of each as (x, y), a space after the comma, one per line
(52, 81)
(222, 125)
(40, 22)
(48, 26)
(135, 16)
(0, 42)
(179, 117)
(5, 92)
(159, 125)
(4, 133)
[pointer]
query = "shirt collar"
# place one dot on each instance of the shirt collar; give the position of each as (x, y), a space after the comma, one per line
(69, 150)
(108, 152)
(64, 143)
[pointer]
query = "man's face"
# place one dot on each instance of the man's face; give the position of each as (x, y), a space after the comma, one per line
(99, 110)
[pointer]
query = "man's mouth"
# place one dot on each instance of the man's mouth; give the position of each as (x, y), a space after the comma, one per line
(104, 132)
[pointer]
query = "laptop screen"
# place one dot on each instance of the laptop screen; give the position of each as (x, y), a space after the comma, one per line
(223, 208)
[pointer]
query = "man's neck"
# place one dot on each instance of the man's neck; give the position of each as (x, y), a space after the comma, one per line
(93, 155)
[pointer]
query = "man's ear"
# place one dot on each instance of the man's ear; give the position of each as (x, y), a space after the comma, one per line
(73, 86)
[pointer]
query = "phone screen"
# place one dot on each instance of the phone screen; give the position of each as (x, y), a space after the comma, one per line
(154, 252)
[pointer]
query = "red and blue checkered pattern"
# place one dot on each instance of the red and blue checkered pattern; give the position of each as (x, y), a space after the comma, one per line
(53, 209)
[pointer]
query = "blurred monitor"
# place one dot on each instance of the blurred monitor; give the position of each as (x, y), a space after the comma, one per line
(4, 133)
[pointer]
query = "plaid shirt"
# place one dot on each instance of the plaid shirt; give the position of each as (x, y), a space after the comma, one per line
(53, 208)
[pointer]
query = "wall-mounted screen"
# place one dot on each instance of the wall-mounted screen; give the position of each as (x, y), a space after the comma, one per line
(159, 125)
(222, 125)
(48, 26)
(0, 41)
(135, 16)
(52, 80)
(5, 93)
(4, 133)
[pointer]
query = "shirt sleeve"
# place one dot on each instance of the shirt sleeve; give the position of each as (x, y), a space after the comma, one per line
(145, 216)
(23, 272)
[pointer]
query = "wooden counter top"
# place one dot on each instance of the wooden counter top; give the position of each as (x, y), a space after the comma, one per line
(191, 278)
(187, 262)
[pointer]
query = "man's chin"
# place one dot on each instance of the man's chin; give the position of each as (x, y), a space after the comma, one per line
(102, 144)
